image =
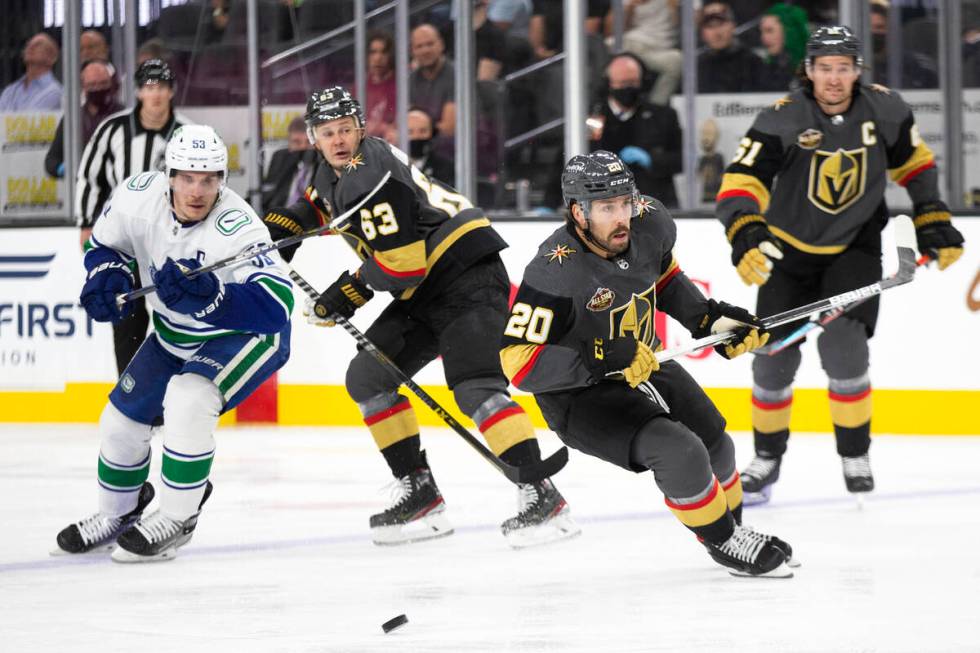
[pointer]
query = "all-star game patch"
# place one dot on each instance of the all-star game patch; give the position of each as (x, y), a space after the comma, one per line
(601, 300)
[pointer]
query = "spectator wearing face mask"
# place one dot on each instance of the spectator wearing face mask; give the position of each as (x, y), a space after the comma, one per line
(421, 131)
(646, 136)
(100, 91)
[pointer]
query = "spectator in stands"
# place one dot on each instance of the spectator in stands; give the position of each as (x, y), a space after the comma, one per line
(431, 84)
(92, 45)
(646, 136)
(512, 16)
(152, 49)
(382, 95)
(971, 45)
(421, 131)
(918, 70)
(651, 34)
(725, 66)
(546, 27)
(290, 168)
(783, 30)
(37, 90)
(100, 90)
(217, 20)
(490, 44)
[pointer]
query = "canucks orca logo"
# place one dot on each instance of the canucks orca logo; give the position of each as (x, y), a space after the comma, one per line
(231, 221)
(837, 179)
(635, 317)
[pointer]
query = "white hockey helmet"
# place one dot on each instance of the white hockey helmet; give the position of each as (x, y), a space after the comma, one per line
(197, 148)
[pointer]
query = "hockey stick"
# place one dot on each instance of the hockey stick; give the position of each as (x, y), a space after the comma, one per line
(265, 249)
(822, 320)
(905, 239)
(523, 474)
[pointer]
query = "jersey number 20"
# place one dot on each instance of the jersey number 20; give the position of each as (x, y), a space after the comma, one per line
(530, 323)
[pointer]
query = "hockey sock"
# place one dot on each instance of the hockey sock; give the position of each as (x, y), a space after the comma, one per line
(395, 429)
(705, 514)
(733, 495)
(124, 461)
(190, 408)
(505, 425)
(850, 410)
(770, 419)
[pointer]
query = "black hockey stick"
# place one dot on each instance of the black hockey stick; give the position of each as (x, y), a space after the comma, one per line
(523, 474)
(264, 249)
(822, 320)
(905, 239)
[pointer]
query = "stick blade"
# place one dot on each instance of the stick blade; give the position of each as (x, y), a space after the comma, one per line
(539, 471)
(905, 241)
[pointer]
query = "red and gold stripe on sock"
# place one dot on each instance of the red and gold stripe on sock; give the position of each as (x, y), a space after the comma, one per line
(771, 417)
(733, 491)
(701, 511)
(850, 410)
(393, 424)
(507, 427)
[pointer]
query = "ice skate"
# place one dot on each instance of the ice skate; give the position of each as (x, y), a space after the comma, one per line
(542, 517)
(417, 511)
(157, 537)
(758, 479)
(857, 474)
(783, 546)
(750, 553)
(99, 532)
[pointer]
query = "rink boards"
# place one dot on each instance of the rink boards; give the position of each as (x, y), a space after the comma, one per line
(56, 365)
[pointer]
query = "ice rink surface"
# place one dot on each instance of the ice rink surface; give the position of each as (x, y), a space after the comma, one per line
(282, 559)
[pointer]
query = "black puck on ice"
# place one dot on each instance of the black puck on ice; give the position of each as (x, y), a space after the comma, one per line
(392, 624)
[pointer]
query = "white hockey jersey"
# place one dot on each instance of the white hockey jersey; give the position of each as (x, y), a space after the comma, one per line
(139, 224)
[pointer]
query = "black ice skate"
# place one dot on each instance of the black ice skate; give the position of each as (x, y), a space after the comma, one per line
(750, 553)
(542, 516)
(417, 511)
(783, 546)
(99, 532)
(758, 478)
(857, 473)
(157, 537)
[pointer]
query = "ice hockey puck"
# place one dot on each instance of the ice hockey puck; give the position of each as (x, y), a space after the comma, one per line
(392, 624)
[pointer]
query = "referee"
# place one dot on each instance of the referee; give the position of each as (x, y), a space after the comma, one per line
(125, 144)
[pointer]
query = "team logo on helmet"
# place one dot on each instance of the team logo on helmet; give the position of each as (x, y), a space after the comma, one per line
(601, 300)
(559, 253)
(809, 139)
(837, 179)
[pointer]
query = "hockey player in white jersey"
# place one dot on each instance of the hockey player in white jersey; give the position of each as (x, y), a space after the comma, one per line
(215, 338)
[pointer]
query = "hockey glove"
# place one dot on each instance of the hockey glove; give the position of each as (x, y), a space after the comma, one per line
(309, 312)
(631, 358)
(103, 284)
(753, 245)
(283, 223)
(198, 296)
(936, 235)
(748, 329)
(343, 297)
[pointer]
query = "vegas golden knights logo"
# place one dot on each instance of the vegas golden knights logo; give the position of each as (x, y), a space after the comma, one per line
(635, 318)
(837, 179)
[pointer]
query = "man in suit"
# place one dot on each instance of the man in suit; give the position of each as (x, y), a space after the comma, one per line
(290, 168)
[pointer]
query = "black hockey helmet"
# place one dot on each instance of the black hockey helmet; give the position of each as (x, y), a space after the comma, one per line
(154, 70)
(595, 176)
(835, 40)
(332, 103)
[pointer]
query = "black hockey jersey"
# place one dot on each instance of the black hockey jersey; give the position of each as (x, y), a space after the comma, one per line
(819, 179)
(413, 230)
(570, 295)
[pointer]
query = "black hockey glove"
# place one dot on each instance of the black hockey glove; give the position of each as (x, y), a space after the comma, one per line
(283, 223)
(343, 297)
(936, 234)
(627, 356)
(753, 245)
(748, 329)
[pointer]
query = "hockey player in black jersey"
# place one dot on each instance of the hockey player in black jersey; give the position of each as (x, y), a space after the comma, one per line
(581, 338)
(438, 256)
(803, 207)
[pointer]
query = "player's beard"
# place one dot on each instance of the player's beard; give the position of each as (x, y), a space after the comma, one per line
(611, 246)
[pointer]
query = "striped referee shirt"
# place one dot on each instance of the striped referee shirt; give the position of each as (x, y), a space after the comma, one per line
(119, 148)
